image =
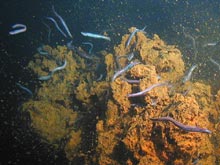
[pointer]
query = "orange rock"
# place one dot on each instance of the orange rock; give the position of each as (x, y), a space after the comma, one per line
(73, 145)
(125, 133)
(120, 90)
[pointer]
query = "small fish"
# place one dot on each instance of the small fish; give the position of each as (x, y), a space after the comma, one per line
(130, 81)
(142, 93)
(133, 33)
(91, 46)
(60, 67)
(100, 77)
(127, 56)
(129, 66)
(182, 126)
(63, 22)
(25, 89)
(57, 26)
(93, 35)
(215, 63)
(44, 78)
(211, 44)
(78, 51)
(18, 28)
(188, 76)
(41, 51)
(49, 31)
(193, 43)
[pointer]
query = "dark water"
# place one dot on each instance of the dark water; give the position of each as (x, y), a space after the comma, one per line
(163, 17)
